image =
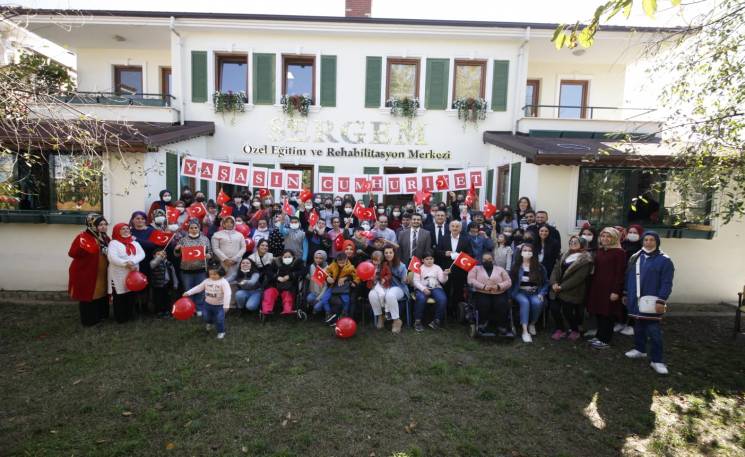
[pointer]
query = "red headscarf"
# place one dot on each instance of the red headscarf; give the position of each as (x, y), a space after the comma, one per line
(127, 242)
(350, 243)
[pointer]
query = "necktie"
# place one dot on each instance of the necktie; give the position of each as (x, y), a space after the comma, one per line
(413, 243)
(439, 233)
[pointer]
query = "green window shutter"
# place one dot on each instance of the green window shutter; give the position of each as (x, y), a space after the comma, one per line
(515, 184)
(172, 173)
(264, 165)
(325, 169)
(499, 85)
(489, 184)
(328, 80)
(373, 74)
(198, 76)
(436, 86)
(263, 79)
(436, 196)
(204, 186)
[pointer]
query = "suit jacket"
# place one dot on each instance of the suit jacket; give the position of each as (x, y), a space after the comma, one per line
(433, 235)
(423, 244)
(444, 261)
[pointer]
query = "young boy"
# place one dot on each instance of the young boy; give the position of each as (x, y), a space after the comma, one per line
(428, 283)
(342, 279)
(217, 298)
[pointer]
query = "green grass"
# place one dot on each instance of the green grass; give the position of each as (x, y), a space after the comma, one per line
(286, 388)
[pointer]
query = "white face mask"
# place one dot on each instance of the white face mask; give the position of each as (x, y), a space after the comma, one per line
(633, 237)
(381, 210)
(180, 209)
(462, 207)
(317, 201)
(256, 204)
(647, 250)
(173, 227)
(267, 202)
(286, 260)
(294, 225)
(308, 206)
(527, 255)
(348, 210)
(278, 224)
(160, 219)
(587, 237)
(365, 226)
(396, 213)
(166, 198)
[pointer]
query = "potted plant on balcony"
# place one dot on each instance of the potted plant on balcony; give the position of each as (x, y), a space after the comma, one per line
(403, 107)
(470, 109)
(292, 104)
(229, 102)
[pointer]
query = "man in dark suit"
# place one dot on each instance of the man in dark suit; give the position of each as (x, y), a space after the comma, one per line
(414, 241)
(541, 218)
(447, 250)
(439, 228)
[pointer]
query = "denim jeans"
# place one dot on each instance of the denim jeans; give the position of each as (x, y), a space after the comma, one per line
(441, 302)
(530, 306)
(323, 302)
(192, 279)
(248, 299)
(215, 314)
(651, 330)
(311, 299)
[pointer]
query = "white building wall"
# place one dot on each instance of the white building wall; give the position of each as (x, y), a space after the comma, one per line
(96, 67)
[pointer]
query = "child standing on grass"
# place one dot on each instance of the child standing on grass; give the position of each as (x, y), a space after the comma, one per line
(217, 297)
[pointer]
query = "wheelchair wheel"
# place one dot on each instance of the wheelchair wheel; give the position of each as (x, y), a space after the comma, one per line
(302, 315)
(461, 316)
(472, 330)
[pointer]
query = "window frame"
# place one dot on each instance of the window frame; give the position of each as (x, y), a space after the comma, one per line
(221, 58)
(118, 69)
(585, 83)
(166, 73)
(536, 84)
(470, 63)
(298, 60)
(402, 61)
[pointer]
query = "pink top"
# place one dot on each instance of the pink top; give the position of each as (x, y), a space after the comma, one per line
(429, 278)
(215, 292)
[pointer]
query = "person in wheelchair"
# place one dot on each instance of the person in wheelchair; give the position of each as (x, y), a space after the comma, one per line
(428, 283)
(490, 285)
(314, 290)
(283, 279)
(342, 279)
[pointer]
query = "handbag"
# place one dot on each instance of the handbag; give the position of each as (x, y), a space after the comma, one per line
(648, 303)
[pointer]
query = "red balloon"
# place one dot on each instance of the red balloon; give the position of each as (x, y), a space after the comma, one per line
(305, 195)
(243, 229)
(136, 281)
(366, 270)
(346, 327)
(250, 245)
(183, 308)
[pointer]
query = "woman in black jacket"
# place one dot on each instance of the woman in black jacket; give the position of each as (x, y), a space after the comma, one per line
(283, 279)
(548, 250)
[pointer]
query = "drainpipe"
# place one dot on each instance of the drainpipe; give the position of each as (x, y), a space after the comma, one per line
(522, 75)
(179, 73)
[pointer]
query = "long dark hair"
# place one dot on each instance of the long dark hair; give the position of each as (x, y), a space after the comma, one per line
(535, 274)
(396, 261)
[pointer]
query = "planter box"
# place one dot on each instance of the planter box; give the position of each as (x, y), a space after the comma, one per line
(22, 217)
(65, 218)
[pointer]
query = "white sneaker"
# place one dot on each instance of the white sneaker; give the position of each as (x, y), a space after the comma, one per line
(527, 338)
(590, 333)
(531, 329)
(221, 335)
(634, 354)
(208, 327)
(627, 330)
(660, 368)
(618, 327)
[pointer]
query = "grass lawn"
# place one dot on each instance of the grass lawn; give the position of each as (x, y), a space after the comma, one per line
(154, 387)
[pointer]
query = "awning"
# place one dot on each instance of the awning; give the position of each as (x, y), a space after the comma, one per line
(584, 151)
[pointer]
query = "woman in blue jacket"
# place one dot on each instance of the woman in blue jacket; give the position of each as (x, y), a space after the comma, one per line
(653, 271)
(529, 288)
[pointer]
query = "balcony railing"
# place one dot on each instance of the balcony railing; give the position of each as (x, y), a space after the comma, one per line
(586, 112)
(112, 98)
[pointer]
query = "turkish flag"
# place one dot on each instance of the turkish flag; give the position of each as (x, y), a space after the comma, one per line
(226, 211)
(263, 193)
(288, 208)
(356, 211)
(197, 211)
(364, 214)
(471, 197)
(222, 198)
(172, 214)
(368, 234)
(313, 218)
(319, 276)
(339, 242)
(415, 265)
(189, 253)
(465, 261)
(87, 245)
(489, 210)
(160, 238)
(422, 196)
(442, 182)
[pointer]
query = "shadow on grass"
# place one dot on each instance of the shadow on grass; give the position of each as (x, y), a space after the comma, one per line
(154, 387)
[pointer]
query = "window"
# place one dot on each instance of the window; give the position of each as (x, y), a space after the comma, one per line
(127, 80)
(573, 99)
(532, 94)
(616, 196)
(402, 80)
(469, 80)
(299, 76)
(70, 193)
(503, 180)
(232, 73)
(166, 81)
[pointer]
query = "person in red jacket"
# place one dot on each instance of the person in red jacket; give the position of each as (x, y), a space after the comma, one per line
(606, 287)
(87, 282)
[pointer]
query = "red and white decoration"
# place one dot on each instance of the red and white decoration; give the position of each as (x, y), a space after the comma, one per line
(242, 175)
(407, 183)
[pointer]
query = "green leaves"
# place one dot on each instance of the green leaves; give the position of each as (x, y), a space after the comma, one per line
(650, 7)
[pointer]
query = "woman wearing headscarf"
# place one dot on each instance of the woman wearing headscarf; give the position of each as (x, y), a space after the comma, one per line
(87, 282)
(569, 288)
(125, 255)
(606, 288)
(193, 272)
(141, 232)
(162, 204)
(631, 244)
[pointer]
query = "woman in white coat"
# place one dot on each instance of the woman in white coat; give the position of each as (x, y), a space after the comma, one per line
(125, 254)
(229, 246)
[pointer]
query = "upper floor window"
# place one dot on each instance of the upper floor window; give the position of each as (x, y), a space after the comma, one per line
(573, 99)
(469, 79)
(532, 92)
(299, 76)
(232, 73)
(402, 78)
(127, 80)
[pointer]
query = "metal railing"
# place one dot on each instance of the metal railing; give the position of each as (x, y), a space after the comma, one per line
(584, 112)
(113, 98)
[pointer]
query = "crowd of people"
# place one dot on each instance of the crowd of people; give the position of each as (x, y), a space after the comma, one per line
(301, 253)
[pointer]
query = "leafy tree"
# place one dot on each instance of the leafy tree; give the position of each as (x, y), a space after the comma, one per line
(705, 127)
